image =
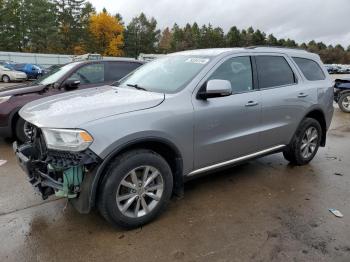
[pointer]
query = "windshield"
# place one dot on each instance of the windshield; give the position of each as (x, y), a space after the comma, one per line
(55, 75)
(169, 74)
(4, 68)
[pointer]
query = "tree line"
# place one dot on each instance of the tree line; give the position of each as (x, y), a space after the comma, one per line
(74, 27)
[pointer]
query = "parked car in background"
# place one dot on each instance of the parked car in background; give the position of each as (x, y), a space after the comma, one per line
(127, 148)
(72, 76)
(331, 69)
(7, 75)
(52, 67)
(6, 62)
(342, 94)
(32, 71)
(342, 70)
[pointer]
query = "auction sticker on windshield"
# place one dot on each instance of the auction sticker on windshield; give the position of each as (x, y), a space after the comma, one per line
(197, 60)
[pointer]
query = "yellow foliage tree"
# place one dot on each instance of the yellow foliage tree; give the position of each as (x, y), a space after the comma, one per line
(107, 32)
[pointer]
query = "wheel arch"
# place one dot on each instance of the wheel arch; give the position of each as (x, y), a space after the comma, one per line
(5, 75)
(162, 146)
(12, 120)
(318, 114)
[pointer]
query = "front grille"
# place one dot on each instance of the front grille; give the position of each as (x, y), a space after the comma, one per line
(63, 159)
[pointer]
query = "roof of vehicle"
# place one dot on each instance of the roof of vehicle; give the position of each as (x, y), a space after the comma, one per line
(115, 59)
(253, 49)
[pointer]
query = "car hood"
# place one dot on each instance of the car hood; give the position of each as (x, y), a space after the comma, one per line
(21, 89)
(72, 109)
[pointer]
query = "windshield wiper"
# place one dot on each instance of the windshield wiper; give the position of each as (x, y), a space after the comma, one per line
(137, 87)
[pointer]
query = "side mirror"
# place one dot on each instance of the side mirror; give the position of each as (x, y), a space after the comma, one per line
(71, 84)
(216, 88)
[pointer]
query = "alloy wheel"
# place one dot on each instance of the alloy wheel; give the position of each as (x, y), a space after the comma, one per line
(5, 79)
(28, 130)
(140, 191)
(346, 102)
(309, 142)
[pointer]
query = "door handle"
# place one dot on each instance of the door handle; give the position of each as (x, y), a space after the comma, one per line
(251, 103)
(302, 95)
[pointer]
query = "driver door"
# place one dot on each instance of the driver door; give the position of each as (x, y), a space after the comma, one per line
(228, 127)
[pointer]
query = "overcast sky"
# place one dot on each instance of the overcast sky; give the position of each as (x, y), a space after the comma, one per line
(301, 20)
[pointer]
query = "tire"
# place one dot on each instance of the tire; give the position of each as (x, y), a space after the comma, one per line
(5, 79)
(304, 146)
(344, 102)
(120, 173)
(20, 133)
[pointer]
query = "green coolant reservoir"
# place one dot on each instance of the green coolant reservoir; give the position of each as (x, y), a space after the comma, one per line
(72, 178)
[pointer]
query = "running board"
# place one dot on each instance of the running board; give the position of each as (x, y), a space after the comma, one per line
(235, 160)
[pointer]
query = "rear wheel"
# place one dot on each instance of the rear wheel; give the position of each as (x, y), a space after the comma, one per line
(344, 102)
(305, 142)
(5, 79)
(136, 189)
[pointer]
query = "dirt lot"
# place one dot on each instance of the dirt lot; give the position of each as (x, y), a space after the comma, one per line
(265, 210)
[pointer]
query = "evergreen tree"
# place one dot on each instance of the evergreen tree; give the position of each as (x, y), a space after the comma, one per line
(71, 17)
(12, 30)
(196, 36)
(271, 40)
(141, 36)
(258, 38)
(233, 37)
(42, 27)
(177, 39)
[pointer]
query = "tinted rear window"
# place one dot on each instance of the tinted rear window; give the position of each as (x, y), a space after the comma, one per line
(274, 71)
(19, 66)
(311, 70)
(117, 70)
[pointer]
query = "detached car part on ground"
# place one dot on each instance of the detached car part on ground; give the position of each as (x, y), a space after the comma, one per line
(342, 94)
(62, 79)
(127, 148)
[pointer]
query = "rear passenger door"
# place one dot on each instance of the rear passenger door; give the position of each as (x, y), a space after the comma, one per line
(116, 70)
(284, 98)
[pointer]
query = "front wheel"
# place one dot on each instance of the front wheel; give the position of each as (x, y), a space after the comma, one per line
(305, 142)
(135, 189)
(344, 102)
(5, 79)
(24, 130)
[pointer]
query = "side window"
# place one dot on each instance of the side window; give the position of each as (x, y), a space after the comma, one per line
(311, 70)
(90, 74)
(19, 67)
(117, 70)
(274, 71)
(237, 70)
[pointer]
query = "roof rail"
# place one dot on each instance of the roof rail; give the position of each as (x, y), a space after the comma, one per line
(274, 46)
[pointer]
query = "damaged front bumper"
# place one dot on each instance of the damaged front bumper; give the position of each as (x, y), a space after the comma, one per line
(64, 174)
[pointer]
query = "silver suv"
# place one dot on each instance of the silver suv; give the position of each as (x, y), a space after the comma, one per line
(127, 148)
